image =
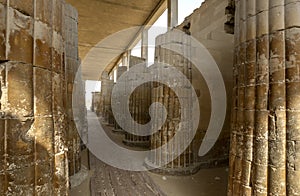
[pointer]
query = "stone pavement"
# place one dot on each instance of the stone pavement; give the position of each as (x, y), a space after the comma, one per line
(109, 181)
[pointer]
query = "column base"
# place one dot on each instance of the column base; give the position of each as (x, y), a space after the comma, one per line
(142, 144)
(176, 171)
(118, 131)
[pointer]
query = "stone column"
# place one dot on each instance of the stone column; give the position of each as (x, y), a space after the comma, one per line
(72, 62)
(106, 90)
(172, 13)
(33, 150)
(144, 45)
(139, 104)
(120, 71)
(265, 152)
(185, 163)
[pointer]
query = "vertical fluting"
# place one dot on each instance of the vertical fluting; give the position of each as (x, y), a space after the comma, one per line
(264, 156)
(71, 67)
(106, 90)
(35, 96)
(120, 71)
(185, 163)
(139, 104)
(292, 41)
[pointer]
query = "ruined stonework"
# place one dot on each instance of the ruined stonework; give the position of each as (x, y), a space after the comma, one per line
(95, 107)
(139, 104)
(265, 132)
(220, 45)
(33, 89)
(161, 93)
(230, 11)
(72, 61)
(106, 90)
(120, 71)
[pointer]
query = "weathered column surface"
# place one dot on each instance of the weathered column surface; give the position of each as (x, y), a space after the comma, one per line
(72, 67)
(106, 90)
(139, 104)
(161, 93)
(33, 91)
(265, 132)
(117, 128)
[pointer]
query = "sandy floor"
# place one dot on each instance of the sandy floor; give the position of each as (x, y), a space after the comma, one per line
(207, 182)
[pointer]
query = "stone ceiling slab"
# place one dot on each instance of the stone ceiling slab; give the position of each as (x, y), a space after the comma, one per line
(98, 19)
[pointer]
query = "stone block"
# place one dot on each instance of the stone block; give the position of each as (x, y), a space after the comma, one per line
(20, 189)
(277, 94)
(42, 92)
(276, 18)
(277, 57)
(293, 186)
(3, 184)
(293, 125)
(276, 3)
(24, 6)
(262, 19)
(2, 32)
(19, 141)
(278, 178)
(44, 133)
(57, 94)
(292, 47)
(43, 44)
(292, 15)
(251, 28)
(2, 147)
(262, 6)
(58, 10)
(60, 168)
(43, 11)
(20, 46)
(57, 52)
(293, 96)
(23, 176)
(19, 89)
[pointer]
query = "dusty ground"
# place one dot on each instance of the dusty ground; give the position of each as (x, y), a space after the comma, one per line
(106, 180)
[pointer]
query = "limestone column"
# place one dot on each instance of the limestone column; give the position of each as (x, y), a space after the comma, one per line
(139, 103)
(185, 163)
(265, 155)
(93, 102)
(172, 13)
(72, 65)
(144, 45)
(106, 90)
(120, 71)
(33, 153)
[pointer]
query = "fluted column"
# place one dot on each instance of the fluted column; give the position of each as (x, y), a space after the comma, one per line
(106, 90)
(139, 104)
(185, 163)
(265, 123)
(33, 119)
(120, 71)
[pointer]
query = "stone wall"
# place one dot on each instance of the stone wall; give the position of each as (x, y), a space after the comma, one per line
(37, 41)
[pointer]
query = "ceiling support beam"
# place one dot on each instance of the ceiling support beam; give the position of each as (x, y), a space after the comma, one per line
(172, 13)
(144, 45)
